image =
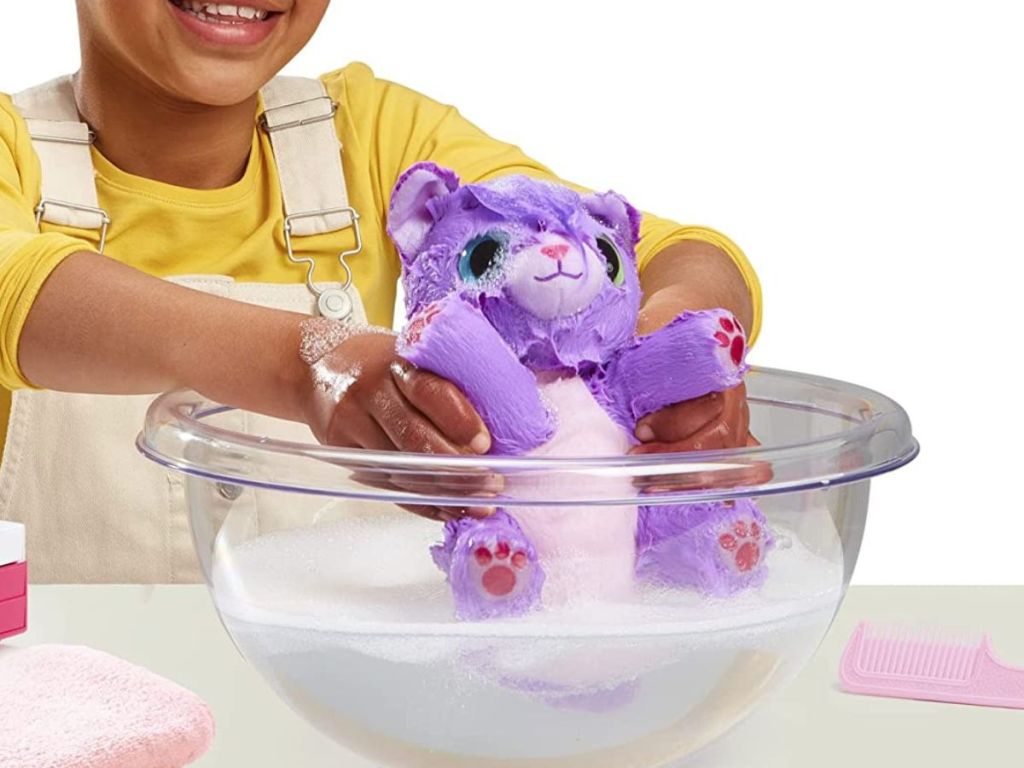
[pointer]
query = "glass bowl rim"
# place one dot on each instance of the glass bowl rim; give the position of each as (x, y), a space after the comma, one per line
(176, 418)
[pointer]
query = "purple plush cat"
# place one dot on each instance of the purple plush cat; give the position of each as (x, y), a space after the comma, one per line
(526, 294)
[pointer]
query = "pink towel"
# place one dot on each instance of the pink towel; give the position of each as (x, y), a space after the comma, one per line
(66, 706)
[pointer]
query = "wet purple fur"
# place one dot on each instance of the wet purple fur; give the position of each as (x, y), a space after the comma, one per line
(682, 361)
(451, 338)
(430, 240)
(683, 546)
(556, 292)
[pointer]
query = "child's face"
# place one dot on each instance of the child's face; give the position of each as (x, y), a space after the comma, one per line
(197, 52)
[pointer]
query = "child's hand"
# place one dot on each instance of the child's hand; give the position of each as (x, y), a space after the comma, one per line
(364, 396)
(360, 394)
(717, 420)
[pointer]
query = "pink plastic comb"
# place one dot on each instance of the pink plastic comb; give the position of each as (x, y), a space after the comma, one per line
(934, 665)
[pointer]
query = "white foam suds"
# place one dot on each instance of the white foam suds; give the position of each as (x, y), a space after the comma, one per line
(364, 571)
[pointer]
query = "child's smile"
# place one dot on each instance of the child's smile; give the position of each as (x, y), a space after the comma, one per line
(185, 53)
(226, 24)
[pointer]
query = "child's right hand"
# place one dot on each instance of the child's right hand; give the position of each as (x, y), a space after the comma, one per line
(363, 395)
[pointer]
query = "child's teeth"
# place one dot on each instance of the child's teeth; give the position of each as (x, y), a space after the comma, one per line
(213, 11)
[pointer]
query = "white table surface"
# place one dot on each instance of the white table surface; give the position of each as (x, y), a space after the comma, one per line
(174, 631)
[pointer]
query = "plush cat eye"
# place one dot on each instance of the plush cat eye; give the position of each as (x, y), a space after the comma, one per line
(480, 255)
(612, 260)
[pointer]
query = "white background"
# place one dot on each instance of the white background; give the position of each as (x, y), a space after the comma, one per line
(867, 156)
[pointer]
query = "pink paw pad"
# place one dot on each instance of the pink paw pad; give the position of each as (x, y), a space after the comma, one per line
(414, 331)
(499, 568)
(742, 545)
(730, 336)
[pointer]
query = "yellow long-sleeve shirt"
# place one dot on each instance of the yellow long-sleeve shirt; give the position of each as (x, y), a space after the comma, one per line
(237, 230)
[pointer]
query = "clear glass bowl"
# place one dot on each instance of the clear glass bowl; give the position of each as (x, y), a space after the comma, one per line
(327, 585)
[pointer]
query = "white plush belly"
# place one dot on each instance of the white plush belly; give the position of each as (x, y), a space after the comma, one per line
(584, 428)
(586, 551)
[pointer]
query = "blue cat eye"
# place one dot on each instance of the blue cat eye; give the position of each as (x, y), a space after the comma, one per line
(612, 260)
(481, 255)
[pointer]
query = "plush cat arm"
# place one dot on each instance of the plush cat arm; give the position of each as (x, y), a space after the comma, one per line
(697, 353)
(454, 340)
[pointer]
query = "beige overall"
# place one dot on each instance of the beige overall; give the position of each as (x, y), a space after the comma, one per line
(95, 510)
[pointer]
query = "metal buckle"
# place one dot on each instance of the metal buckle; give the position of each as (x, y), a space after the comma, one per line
(65, 139)
(308, 260)
(303, 121)
(41, 208)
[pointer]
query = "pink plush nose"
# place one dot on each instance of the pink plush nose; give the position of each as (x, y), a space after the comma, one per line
(556, 252)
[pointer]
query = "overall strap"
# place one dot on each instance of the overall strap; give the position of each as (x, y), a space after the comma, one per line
(61, 142)
(298, 118)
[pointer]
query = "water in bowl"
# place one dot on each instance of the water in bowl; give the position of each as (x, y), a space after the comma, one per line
(354, 626)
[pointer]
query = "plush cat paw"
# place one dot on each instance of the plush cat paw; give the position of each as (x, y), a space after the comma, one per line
(717, 548)
(731, 339)
(492, 567)
(741, 545)
(413, 331)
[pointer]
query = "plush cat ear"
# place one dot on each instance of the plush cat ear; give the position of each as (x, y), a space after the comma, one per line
(410, 213)
(613, 210)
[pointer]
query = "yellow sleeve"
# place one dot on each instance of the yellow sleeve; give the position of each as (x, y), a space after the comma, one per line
(26, 257)
(657, 234)
(411, 127)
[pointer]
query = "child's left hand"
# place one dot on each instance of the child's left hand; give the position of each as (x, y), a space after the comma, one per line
(715, 421)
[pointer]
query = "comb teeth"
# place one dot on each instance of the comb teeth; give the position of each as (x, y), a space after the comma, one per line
(934, 654)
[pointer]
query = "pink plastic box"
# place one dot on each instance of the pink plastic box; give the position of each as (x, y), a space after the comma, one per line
(13, 580)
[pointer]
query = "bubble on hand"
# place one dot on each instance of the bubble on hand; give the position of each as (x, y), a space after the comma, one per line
(319, 335)
(402, 371)
(333, 384)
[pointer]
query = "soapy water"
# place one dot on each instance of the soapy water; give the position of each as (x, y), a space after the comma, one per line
(353, 625)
